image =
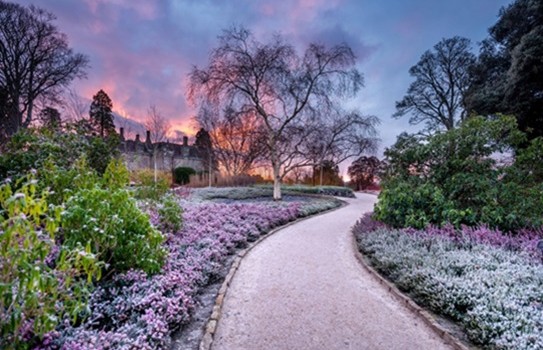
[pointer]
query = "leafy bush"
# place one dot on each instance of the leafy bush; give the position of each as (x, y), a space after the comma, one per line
(181, 175)
(40, 284)
(31, 148)
(116, 175)
(63, 183)
(118, 232)
(148, 188)
(101, 151)
(453, 177)
(492, 291)
(170, 214)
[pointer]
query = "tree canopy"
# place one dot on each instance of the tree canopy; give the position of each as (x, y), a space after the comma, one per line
(363, 172)
(35, 62)
(508, 76)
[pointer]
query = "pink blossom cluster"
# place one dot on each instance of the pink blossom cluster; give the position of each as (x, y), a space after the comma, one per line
(134, 311)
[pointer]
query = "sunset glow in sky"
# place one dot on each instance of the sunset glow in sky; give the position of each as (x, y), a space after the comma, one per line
(141, 51)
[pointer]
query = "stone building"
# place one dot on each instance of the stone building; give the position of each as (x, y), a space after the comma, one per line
(139, 154)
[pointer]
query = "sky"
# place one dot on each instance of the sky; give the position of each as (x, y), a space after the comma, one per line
(141, 51)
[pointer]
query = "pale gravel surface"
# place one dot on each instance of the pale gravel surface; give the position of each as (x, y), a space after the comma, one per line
(303, 288)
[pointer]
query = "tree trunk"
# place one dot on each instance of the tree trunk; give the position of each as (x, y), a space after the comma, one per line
(209, 167)
(30, 109)
(321, 175)
(155, 151)
(276, 182)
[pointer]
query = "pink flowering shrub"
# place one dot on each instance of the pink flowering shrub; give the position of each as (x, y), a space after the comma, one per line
(133, 311)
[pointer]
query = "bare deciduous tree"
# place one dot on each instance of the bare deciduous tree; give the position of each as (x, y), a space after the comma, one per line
(159, 127)
(75, 106)
(339, 137)
(236, 138)
(35, 61)
(442, 79)
(285, 90)
(157, 124)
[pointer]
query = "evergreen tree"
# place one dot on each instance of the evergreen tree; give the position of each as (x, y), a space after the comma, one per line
(327, 173)
(101, 114)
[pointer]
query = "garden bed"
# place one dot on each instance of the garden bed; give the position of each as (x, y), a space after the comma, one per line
(133, 311)
(487, 282)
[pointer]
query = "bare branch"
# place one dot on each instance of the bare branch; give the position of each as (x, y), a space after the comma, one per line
(288, 94)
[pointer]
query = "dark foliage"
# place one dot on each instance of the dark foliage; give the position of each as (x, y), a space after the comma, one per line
(181, 175)
(508, 76)
(454, 177)
(31, 148)
(363, 172)
(101, 114)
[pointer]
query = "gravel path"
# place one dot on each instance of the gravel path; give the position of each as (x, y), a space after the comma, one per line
(303, 288)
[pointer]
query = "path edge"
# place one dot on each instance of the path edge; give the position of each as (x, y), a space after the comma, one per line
(211, 326)
(421, 313)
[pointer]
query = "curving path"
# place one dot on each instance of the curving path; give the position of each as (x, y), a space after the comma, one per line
(302, 288)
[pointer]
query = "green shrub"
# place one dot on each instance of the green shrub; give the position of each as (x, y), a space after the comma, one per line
(116, 175)
(38, 286)
(118, 232)
(101, 151)
(63, 183)
(405, 205)
(30, 148)
(181, 175)
(170, 214)
(148, 188)
(453, 177)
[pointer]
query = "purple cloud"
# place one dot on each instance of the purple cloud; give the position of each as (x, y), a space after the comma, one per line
(141, 51)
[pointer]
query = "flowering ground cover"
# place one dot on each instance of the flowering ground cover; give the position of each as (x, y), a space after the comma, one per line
(339, 191)
(266, 191)
(134, 311)
(487, 281)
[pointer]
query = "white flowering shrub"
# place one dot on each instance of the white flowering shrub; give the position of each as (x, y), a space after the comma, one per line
(495, 293)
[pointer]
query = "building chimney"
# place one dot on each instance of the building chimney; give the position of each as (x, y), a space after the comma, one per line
(121, 131)
(148, 138)
(185, 141)
(137, 137)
